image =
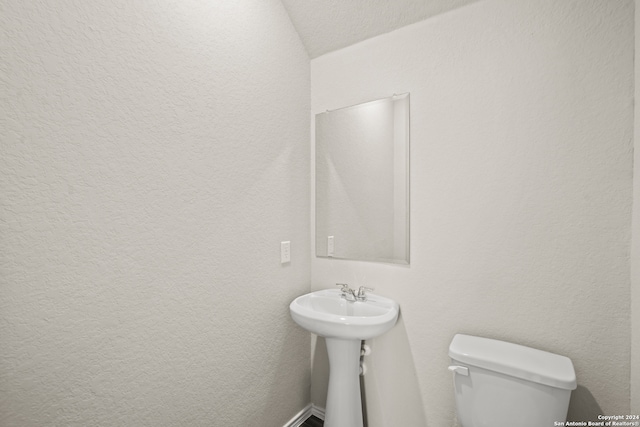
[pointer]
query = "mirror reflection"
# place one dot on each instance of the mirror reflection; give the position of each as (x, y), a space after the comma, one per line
(362, 181)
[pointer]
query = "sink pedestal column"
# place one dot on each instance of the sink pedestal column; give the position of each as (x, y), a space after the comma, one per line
(344, 405)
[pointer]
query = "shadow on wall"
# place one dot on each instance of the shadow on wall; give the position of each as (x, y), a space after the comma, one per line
(284, 371)
(392, 394)
(583, 406)
(319, 373)
(392, 391)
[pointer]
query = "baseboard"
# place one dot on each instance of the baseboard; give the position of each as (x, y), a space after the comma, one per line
(302, 416)
(317, 411)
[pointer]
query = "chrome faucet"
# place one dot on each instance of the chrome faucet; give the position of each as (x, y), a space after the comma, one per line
(347, 293)
(351, 295)
(362, 293)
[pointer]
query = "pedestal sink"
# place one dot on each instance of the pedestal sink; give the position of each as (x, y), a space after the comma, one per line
(344, 324)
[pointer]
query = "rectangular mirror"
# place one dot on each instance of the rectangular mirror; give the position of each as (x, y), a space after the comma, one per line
(362, 181)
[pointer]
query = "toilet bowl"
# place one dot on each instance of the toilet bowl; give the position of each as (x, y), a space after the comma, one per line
(500, 384)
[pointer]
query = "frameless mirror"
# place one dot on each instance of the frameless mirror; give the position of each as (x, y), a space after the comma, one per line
(362, 181)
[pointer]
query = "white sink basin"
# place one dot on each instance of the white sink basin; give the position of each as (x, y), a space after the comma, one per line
(327, 314)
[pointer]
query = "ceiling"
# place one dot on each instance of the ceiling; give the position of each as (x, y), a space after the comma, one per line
(327, 25)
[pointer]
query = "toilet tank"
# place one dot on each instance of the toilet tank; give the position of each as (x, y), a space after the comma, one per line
(500, 384)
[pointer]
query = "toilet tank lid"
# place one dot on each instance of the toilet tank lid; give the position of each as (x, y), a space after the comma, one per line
(515, 360)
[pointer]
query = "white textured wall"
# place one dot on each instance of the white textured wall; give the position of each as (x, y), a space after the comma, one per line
(521, 189)
(635, 249)
(152, 157)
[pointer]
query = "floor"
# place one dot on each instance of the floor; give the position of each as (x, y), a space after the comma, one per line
(312, 422)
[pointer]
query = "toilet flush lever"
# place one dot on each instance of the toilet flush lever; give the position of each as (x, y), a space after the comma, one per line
(462, 370)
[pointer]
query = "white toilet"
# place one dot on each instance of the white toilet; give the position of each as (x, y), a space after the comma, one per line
(500, 384)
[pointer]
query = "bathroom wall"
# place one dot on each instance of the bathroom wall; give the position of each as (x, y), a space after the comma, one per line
(635, 249)
(521, 190)
(153, 157)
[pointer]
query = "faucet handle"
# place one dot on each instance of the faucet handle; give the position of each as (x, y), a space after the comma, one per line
(362, 292)
(344, 287)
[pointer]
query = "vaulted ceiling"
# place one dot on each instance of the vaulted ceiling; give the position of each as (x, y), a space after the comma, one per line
(327, 25)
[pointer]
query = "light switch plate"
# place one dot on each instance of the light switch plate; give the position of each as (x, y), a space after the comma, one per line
(285, 252)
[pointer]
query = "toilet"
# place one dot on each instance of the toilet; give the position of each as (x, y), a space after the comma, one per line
(500, 384)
